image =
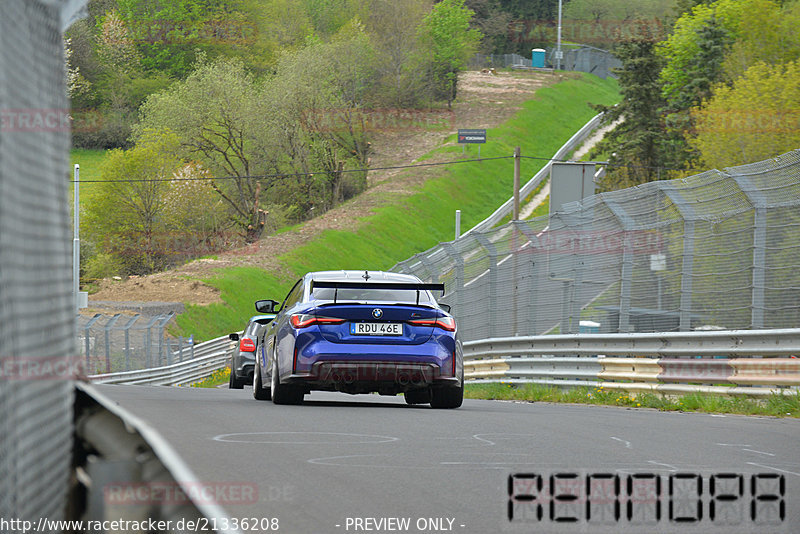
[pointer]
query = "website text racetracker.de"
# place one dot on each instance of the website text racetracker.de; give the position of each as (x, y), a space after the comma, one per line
(202, 524)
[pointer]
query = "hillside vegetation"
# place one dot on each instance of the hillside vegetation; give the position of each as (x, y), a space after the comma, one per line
(402, 227)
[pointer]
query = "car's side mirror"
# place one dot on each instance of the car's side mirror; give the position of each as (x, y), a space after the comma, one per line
(267, 306)
(445, 307)
(233, 337)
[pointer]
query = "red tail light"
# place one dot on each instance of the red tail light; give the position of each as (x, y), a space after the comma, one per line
(247, 345)
(303, 320)
(445, 323)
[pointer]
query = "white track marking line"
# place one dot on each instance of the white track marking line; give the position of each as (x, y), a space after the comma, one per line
(671, 467)
(773, 468)
(226, 438)
(759, 452)
(479, 438)
(627, 443)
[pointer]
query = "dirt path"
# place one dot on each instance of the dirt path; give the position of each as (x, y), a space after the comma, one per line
(584, 149)
(485, 101)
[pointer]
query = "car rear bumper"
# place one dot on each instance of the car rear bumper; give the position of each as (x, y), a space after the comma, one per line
(382, 376)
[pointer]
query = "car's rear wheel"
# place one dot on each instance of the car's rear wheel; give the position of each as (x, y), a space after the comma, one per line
(259, 391)
(234, 382)
(283, 393)
(418, 396)
(447, 397)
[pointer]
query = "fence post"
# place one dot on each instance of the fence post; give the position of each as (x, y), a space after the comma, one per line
(87, 345)
(491, 251)
(148, 344)
(107, 327)
(161, 326)
(127, 329)
(451, 251)
(687, 266)
(536, 253)
(626, 279)
(433, 274)
(516, 183)
(759, 202)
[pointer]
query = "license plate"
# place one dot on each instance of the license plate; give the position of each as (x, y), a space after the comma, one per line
(376, 329)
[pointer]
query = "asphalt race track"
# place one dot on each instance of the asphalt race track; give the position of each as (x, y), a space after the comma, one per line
(367, 463)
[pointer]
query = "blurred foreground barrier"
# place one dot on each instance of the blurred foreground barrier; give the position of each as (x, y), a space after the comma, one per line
(735, 362)
(125, 471)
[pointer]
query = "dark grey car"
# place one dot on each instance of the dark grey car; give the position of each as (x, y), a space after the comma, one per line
(243, 357)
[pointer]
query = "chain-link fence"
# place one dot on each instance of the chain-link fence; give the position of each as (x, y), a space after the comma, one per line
(587, 59)
(584, 59)
(716, 250)
(37, 318)
(499, 61)
(113, 343)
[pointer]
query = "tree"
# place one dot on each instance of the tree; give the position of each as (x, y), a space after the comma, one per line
(492, 22)
(741, 32)
(321, 96)
(393, 31)
(635, 144)
(221, 119)
(127, 218)
(755, 119)
(451, 42)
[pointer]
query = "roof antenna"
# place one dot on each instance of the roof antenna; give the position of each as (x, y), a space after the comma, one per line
(366, 276)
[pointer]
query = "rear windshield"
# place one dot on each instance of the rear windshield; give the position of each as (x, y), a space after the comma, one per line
(391, 296)
(252, 329)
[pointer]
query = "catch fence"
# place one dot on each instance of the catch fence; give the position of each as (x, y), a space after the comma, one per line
(718, 250)
(114, 343)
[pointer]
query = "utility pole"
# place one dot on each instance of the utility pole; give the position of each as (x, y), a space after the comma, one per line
(76, 241)
(516, 183)
(558, 39)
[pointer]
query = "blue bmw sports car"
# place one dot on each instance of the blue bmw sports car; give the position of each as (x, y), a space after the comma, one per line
(360, 332)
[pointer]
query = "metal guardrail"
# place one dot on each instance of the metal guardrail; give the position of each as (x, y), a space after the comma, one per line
(747, 362)
(208, 357)
(573, 143)
(735, 362)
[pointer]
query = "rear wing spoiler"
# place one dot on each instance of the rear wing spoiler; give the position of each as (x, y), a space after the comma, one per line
(336, 286)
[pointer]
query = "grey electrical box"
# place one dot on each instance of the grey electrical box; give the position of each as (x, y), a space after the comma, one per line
(570, 182)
